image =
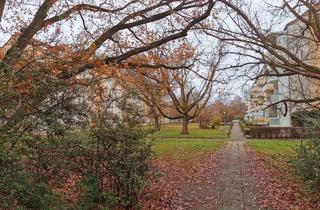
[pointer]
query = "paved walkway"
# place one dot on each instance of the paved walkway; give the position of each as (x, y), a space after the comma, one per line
(232, 189)
(236, 188)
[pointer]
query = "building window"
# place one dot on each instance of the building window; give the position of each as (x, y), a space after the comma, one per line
(273, 112)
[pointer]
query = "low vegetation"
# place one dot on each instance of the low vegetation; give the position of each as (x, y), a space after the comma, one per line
(307, 161)
(172, 131)
(300, 155)
(184, 149)
(245, 128)
(275, 178)
(276, 148)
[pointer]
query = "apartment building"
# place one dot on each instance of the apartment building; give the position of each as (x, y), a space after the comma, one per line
(267, 91)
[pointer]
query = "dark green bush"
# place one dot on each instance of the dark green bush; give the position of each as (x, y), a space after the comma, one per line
(47, 148)
(93, 197)
(307, 161)
(245, 128)
(20, 188)
(303, 118)
(122, 160)
(119, 154)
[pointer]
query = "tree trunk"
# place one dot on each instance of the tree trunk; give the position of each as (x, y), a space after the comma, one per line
(185, 124)
(156, 120)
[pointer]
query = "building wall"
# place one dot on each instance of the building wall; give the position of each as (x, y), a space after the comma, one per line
(290, 87)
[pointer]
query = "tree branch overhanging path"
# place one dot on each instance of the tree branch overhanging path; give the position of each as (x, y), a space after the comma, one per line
(130, 21)
(251, 37)
(292, 51)
(110, 47)
(2, 5)
(54, 74)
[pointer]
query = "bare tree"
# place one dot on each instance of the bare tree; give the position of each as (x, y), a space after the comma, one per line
(149, 90)
(205, 117)
(2, 4)
(254, 43)
(186, 99)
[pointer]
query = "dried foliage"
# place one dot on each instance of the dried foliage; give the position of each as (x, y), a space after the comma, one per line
(172, 188)
(279, 188)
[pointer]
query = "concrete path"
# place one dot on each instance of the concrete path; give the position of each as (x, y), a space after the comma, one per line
(236, 188)
(233, 188)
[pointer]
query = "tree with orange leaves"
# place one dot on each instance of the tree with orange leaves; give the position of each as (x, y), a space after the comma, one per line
(143, 81)
(185, 98)
(77, 38)
(52, 71)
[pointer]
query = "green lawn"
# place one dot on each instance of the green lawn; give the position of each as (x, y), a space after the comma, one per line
(279, 149)
(170, 144)
(173, 131)
(184, 149)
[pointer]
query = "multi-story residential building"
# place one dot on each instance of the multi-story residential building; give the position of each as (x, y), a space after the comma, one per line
(255, 101)
(267, 91)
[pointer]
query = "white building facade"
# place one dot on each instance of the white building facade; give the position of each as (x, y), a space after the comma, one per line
(265, 99)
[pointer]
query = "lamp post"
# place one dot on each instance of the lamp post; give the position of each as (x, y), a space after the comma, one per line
(225, 118)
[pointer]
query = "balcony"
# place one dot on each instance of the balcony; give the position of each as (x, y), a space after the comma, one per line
(261, 81)
(261, 121)
(255, 89)
(261, 101)
(269, 88)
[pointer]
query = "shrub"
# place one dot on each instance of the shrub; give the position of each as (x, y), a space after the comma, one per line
(20, 189)
(45, 153)
(128, 154)
(93, 197)
(120, 153)
(205, 118)
(302, 118)
(276, 132)
(215, 122)
(245, 128)
(307, 162)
